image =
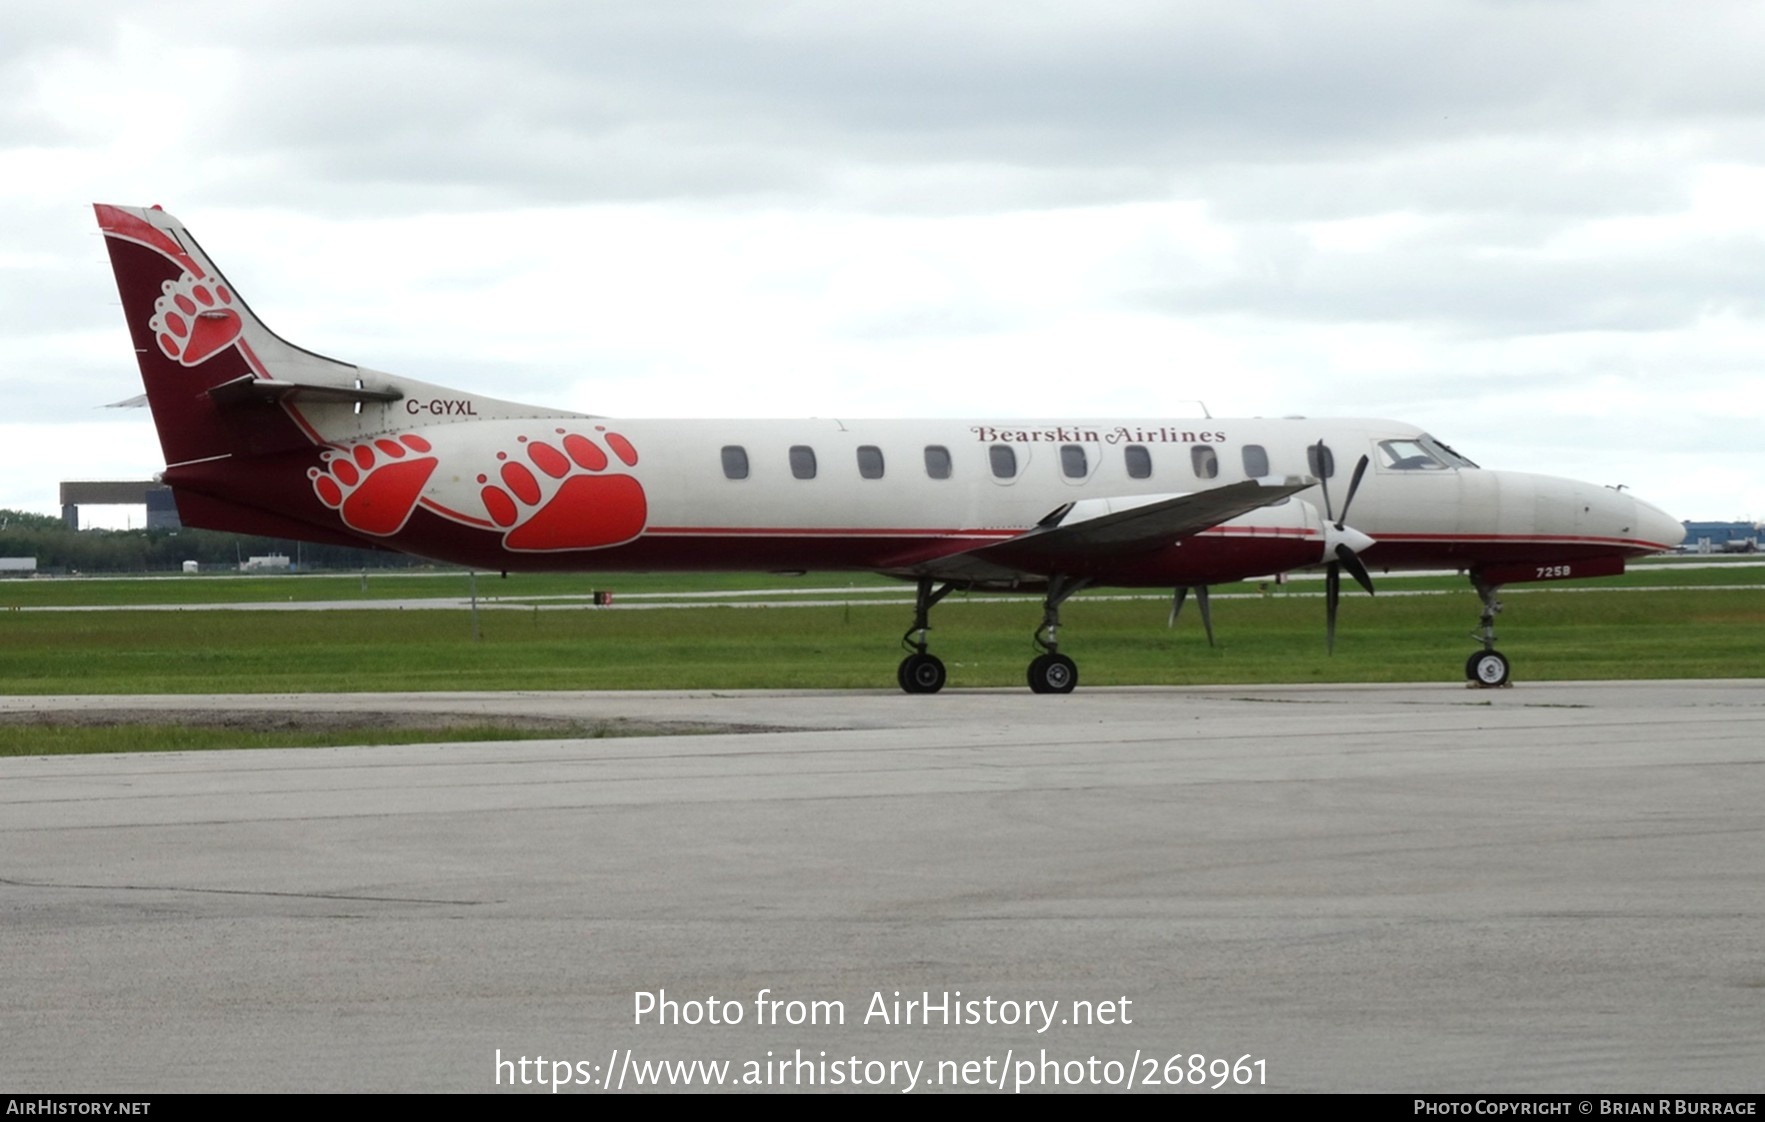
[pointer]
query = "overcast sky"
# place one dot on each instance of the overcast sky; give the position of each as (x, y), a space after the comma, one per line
(1535, 228)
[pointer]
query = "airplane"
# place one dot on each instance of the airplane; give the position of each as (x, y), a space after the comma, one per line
(264, 437)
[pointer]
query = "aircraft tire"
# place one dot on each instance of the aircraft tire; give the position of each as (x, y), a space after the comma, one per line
(1053, 673)
(1487, 669)
(921, 673)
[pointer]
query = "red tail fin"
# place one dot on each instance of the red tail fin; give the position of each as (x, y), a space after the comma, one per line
(193, 333)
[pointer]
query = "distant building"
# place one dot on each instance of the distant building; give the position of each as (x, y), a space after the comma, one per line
(162, 509)
(1720, 537)
(17, 566)
(274, 562)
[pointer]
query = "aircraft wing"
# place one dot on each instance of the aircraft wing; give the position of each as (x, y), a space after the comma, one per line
(1093, 530)
(1148, 521)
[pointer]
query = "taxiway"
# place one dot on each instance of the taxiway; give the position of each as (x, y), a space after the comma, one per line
(1558, 887)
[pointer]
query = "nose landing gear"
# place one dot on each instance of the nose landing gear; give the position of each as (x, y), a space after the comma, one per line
(1488, 668)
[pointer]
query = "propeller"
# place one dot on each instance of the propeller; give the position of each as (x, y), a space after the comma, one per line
(1341, 541)
(1181, 594)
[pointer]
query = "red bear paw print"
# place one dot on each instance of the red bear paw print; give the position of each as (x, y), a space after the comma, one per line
(192, 319)
(376, 484)
(556, 495)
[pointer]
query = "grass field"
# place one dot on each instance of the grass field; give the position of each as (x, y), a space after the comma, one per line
(1658, 621)
(369, 587)
(400, 585)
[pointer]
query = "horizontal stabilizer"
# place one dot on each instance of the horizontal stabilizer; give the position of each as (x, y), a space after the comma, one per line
(249, 389)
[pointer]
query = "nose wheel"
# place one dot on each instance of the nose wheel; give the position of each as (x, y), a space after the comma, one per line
(1487, 669)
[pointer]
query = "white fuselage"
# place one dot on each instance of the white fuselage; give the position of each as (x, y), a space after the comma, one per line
(896, 495)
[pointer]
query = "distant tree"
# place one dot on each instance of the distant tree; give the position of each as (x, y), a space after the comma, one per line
(58, 549)
(27, 520)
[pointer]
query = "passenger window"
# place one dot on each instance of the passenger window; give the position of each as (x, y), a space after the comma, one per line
(735, 462)
(1256, 461)
(1004, 460)
(870, 461)
(1074, 464)
(937, 461)
(1139, 461)
(1205, 461)
(802, 461)
(1321, 461)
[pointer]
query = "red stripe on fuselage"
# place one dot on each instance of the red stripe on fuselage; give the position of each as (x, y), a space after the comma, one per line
(1453, 541)
(826, 532)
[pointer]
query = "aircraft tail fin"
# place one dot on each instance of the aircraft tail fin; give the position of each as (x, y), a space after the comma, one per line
(201, 349)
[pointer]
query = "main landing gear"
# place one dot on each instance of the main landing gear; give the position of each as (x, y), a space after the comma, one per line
(1488, 668)
(1049, 672)
(921, 671)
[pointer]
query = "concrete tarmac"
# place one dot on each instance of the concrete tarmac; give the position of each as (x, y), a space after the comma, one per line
(1416, 888)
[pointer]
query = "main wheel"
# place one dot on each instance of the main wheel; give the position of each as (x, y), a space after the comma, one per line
(921, 673)
(1487, 669)
(1053, 673)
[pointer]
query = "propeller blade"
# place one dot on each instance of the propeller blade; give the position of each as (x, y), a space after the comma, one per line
(1355, 566)
(1354, 484)
(1344, 550)
(1318, 451)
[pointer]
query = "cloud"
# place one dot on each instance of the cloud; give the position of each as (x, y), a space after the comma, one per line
(1482, 212)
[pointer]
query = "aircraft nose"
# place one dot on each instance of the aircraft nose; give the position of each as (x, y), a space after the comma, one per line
(1656, 527)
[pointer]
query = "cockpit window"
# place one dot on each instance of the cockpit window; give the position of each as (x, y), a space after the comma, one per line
(1446, 452)
(1422, 453)
(1408, 455)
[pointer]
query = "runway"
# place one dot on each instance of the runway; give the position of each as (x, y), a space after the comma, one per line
(1417, 888)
